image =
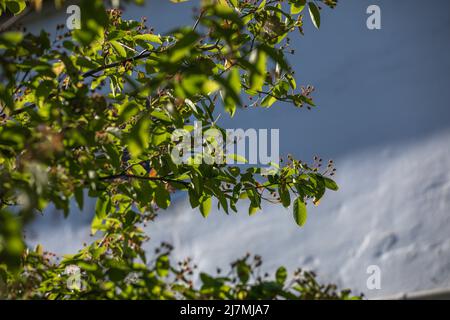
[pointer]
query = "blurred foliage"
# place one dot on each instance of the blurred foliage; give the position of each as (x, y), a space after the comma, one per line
(111, 272)
(90, 112)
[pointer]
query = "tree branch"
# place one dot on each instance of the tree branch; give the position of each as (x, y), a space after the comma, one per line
(11, 21)
(144, 54)
(132, 176)
(91, 73)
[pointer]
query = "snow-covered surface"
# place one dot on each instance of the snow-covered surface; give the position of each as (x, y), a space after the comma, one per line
(384, 118)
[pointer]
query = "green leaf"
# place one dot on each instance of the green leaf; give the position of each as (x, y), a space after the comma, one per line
(193, 198)
(139, 137)
(262, 5)
(102, 206)
(222, 201)
(258, 75)
(113, 155)
(159, 135)
(243, 271)
(281, 275)
(79, 197)
(10, 38)
(291, 81)
(330, 184)
(162, 266)
(11, 243)
(297, 6)
(234, 84)
(315, 14)
(268, 101)
(237, 158)
(253, 209)
(285, 197)
(127, 111)
(182, 48)
(118, 48)
(162, 197)
(149, 37)
(17, 6)
(306, 100)
(224, 11)
(205, 205)
(276, 54)
(299, 210)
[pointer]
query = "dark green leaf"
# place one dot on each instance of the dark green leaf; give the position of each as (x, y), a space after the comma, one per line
(315, 14)
(330, 184)
(281, 275)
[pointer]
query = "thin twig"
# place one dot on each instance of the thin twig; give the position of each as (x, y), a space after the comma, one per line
(198, 20)
(132, 176)
(144, 54)
(11, 21)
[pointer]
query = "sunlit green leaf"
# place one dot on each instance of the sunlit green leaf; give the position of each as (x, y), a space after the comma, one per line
(120, 50)
(297, 6)
(299, 211)
(205, 205)
(16, 6)
(257, 77)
